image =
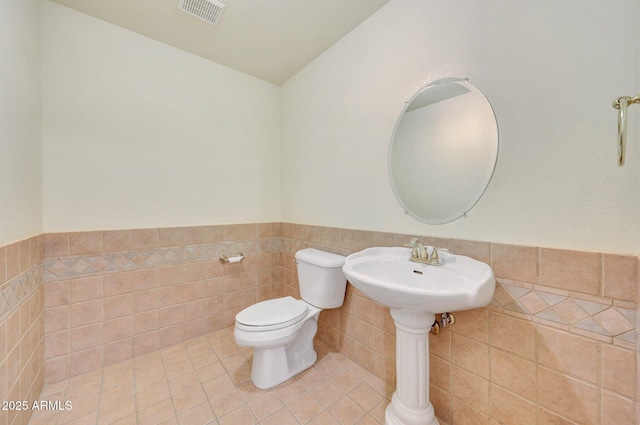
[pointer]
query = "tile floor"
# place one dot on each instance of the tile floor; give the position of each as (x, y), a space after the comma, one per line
(206, 381)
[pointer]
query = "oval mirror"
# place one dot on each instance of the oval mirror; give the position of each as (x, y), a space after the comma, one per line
(443, 151)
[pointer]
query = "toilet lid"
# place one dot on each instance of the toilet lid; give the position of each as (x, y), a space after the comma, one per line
(273, 314)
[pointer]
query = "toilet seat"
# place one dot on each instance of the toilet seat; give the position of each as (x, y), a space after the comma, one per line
(272, 314)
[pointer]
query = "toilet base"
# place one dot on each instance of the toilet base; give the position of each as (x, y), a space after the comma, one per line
(273, 366)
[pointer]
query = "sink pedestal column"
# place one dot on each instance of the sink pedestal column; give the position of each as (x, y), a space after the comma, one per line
(410, 403)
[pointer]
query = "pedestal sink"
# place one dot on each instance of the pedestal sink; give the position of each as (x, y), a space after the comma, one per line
(415, 292)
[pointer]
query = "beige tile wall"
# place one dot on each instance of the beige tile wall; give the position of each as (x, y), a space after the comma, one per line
(556, 345)
(114, 295)
(21, 327)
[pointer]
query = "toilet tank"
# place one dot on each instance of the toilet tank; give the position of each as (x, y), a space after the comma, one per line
(320, 277)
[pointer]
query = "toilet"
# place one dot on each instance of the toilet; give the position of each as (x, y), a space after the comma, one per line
(281, 330)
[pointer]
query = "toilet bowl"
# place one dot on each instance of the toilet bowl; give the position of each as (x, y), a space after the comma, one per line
(281, 330)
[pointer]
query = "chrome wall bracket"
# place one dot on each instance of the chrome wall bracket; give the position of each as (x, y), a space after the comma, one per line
(229, 260)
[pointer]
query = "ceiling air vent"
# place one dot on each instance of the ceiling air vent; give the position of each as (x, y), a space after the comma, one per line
(207, 10)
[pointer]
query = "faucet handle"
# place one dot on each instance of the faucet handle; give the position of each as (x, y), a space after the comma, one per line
(416, 252)
(414, 242)
(435, 258)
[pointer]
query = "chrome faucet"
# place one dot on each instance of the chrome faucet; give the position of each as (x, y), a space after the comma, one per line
(420, 254)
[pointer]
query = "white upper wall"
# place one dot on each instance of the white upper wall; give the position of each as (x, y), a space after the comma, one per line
(550, 69)
(138, 134)
(20, 137)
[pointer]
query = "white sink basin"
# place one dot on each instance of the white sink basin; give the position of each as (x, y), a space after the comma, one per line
(416, 292)
(386, 276)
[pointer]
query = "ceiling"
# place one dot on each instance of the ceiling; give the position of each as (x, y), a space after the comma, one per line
(269, 39)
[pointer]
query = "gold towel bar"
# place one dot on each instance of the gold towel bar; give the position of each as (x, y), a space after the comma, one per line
(621, 104)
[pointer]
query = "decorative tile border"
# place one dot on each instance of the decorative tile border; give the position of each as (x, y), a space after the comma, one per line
(598, 318)
(18, 289)
(81, 265)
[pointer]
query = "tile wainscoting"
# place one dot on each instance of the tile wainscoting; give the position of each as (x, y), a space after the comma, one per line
(114, 295)
(557, 345)
(21, 327)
